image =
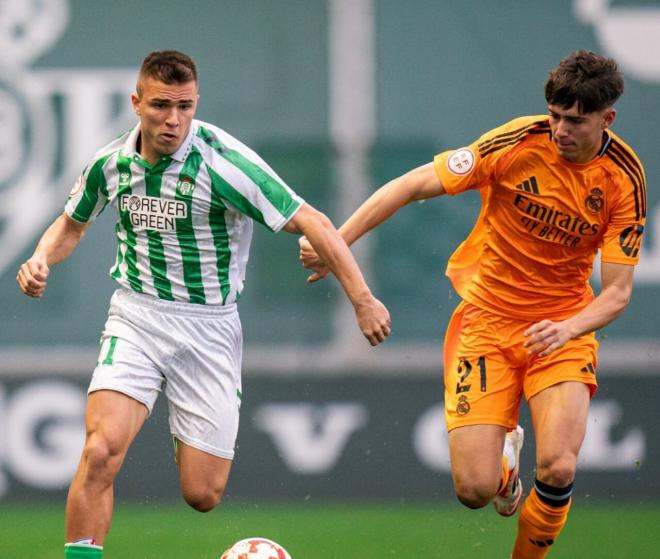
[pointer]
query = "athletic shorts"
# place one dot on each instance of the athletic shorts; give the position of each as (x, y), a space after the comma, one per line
(192, 352)
(487, 369)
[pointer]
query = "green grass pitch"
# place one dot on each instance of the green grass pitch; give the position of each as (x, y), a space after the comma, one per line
(333, 531)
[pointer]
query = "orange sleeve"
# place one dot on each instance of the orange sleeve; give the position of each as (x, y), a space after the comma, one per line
(473, 166)
(622, 241)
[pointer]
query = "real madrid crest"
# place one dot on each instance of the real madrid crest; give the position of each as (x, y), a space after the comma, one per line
(594, 202)
(463, 406)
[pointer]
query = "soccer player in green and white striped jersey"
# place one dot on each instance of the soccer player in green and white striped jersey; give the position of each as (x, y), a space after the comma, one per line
(187, 194)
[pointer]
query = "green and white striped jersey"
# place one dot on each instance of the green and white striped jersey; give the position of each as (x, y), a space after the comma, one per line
(185, 223)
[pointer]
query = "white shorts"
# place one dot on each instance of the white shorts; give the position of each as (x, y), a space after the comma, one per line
(193, 351)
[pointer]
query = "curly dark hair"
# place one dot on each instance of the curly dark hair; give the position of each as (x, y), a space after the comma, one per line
(586, 78)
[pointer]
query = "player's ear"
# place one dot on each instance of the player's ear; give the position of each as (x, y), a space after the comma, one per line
(135, 101)
(608, 117)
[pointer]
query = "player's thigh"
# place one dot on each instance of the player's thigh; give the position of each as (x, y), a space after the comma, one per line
(558, 388)
(204, 387)
(112, 420)
(476, 455)
(132, 352)
(575, 361)
(201, 472)
(483, 378)
(559, 416)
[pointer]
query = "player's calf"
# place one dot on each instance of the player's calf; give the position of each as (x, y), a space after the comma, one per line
(508, 499)
(541, 520)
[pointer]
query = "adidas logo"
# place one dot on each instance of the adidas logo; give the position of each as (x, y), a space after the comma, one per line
(529, 185)
(542, 543)
(588, 369)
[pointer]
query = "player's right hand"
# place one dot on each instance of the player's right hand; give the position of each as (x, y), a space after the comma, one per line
(312, 261)
(374, 320)
(32, 276)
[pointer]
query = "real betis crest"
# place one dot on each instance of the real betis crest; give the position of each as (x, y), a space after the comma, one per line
(185, 186)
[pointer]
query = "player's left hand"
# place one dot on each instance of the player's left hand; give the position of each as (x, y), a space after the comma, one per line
(312, 261)
(546, 336)
(373, 319)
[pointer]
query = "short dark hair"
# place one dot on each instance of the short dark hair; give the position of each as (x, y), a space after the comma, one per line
(168, 66)
(586, 78)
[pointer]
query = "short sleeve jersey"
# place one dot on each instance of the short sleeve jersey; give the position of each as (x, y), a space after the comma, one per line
(543, 219)
(185, 224)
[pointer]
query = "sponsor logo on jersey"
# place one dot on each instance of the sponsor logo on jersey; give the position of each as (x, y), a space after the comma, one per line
(551, 224)
(461, 162)
(594, 202)
(152, 213)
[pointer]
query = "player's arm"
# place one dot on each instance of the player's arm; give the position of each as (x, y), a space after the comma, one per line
(55, 245)
(372, 316)
(617, 281)
(419, 184)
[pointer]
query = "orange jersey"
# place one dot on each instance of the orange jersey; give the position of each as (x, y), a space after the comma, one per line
(543, 219)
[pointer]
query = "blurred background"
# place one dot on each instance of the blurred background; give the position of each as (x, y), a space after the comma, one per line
(338, 96)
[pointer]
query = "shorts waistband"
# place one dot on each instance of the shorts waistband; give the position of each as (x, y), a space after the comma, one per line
(175, 307)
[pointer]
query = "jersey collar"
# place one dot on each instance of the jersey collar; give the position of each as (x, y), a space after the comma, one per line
(607, 140)
(130, 146)
(185, 147)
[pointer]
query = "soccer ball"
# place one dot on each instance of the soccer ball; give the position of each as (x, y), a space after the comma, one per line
(256, 548)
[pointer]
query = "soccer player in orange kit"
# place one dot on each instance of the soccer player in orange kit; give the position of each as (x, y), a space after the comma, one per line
(555, 189)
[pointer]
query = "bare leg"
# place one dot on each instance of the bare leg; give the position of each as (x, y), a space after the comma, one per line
(559, 415)
(112, 422)
(203, 477)
(476, 462)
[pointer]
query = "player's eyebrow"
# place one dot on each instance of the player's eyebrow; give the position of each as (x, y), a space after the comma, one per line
(162, 100)
(576, 118)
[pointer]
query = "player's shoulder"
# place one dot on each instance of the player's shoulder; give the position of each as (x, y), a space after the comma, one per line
(215, 137)
(622, 155)
(512, 133)
(108, 151)
(523, 124)
(213, 141)
(623, 163)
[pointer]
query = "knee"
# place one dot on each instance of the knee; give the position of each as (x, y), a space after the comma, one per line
(558, 472)
(474, 495)
(101, 459)
(203, 498)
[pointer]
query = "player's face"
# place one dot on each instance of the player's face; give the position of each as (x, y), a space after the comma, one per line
(165, 111)
(578, 136)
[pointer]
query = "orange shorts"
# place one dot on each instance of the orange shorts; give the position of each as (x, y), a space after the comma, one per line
(487, 369)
